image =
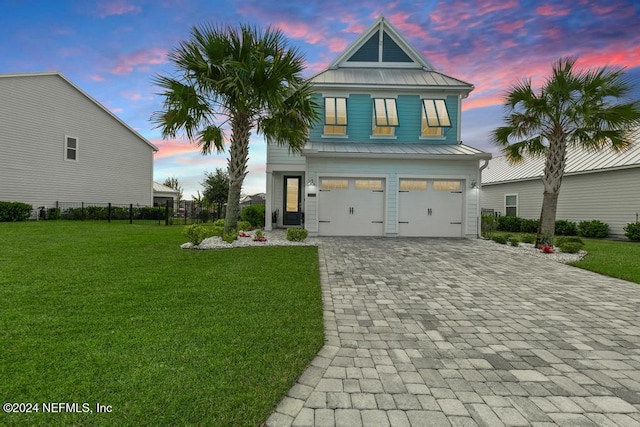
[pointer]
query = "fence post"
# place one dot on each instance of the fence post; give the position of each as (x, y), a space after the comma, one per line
(109, 212)
(166, 213)
(82, 204)
(130, 213)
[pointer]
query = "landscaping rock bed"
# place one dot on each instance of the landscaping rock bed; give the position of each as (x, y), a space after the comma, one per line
(274, 238)
(530, 249)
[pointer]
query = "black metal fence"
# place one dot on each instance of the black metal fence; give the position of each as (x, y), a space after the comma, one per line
(81, 211)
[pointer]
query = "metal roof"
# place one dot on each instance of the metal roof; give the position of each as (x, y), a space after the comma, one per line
(161, 188)
(394, 150)
(386, 77)
(579, 161)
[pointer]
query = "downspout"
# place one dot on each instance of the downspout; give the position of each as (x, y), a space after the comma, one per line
(479, 188)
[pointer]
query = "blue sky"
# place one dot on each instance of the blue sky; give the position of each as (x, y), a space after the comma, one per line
(112, 49)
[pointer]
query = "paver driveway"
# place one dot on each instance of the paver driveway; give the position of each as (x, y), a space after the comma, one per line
(450, 332)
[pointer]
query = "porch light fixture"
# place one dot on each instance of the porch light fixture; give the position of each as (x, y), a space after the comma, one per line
(311, 187)
(474, 184)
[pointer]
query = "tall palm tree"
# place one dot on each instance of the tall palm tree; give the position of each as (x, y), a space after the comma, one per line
(243, 78)
(588, 109)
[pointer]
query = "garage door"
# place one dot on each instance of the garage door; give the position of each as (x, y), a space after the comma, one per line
(430, 208)
(351, 207)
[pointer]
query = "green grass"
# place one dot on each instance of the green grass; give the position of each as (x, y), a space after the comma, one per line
(612, 258)
(118, 314)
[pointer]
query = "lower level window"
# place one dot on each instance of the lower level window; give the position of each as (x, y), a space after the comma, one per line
(511, 205)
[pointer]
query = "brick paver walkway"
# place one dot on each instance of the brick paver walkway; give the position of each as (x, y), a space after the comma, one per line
(430, 332)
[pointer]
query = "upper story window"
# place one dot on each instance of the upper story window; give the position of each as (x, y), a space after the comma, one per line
(385, 116)
(71, 148)
(335, 116)
(435, 117)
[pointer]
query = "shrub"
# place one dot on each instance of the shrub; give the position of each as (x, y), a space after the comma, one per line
(632, 231)
(566, 228)
(509, 223)
(296, 234)
(529, 225)
(513, 241)
(253, 214)
(230, 237)
(219, 222)
(488, 224)
(14, 211)
(244, 225)
(570, 247)
(53, 213)
(213, 230)
(500, 238)
(568, 239)
(593, 228)
(195, 233)
(528, 238)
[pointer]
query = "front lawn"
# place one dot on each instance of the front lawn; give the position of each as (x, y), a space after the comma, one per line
(613, 258)
(119, 315)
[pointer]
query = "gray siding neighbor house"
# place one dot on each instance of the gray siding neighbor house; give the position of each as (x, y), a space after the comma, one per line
(602, 186)
(387, 158)
(58, 144)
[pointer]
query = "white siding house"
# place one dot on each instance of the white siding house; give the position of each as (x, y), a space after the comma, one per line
(58, 144)
(387, 159)
(602, 186)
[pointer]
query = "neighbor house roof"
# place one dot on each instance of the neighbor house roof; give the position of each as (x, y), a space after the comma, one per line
(394, 150)
(579, 161)
(106, 110)
(161, 188)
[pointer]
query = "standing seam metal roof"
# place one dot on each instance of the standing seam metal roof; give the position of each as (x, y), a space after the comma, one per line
(388, 77)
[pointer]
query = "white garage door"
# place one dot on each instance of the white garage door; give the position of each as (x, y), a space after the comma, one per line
(430, 208)
(351, 207)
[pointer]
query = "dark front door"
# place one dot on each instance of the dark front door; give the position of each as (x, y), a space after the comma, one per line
(292, 214)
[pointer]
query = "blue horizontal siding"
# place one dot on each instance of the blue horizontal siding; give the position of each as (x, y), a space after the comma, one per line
(360, 119)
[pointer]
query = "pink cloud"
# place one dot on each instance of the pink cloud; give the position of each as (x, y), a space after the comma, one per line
(140, 60)
(132, 96)
(353, 26)
(116, 7)
(336, 44)
(551, 10)
(299, 30)
(408, 29)
(509, 27)
(173, 147)
(97, 78)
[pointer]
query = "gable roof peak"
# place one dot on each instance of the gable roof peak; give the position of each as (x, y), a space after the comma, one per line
(381, 46)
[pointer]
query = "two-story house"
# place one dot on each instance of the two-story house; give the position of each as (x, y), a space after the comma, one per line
(387, 159)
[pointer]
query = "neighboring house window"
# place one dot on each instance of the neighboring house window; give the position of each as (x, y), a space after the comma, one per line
(511, 204)
(335, 116)
(435, 117)
(71, 148)
(385, 116)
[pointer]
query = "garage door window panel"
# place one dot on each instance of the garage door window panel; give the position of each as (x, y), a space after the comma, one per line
(413, 184)
(447, 185)
(334, 184)
(368, 184)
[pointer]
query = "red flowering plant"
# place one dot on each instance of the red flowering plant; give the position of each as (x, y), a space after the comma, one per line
(259, 236)
(243, 234)
(547, 249)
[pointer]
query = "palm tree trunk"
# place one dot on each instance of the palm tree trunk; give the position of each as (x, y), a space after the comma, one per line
(237, 167)
(551, 180)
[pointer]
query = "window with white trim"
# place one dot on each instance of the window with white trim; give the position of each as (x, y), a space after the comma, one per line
(413, 184)
(335, 116)
(435, 117)
(71, 148)
(446, 185)
(368, 184)
(334, 184)
(511, 205)
(385, 117)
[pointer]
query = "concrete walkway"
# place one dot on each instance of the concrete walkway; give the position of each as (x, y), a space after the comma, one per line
(431, 332)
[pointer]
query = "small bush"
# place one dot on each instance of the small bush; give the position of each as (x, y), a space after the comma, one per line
(566, 228)
(53, 213)
(528, 238)
(509, 223)
(632, 231)
(296, 234)
(529, 225)
(229, 238)
(568, 239)
(253, 214)
(570, 247)
(14, 211)
(594, 228)
(219, 222)
(500, 238)
(196, 233)
(244, 225)
(513, 241)
(488, 224)
(214, 231)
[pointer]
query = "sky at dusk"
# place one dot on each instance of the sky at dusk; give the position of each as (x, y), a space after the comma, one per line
(112, 49)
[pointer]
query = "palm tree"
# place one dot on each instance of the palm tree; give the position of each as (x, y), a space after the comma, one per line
(588, 109)
(243, 78)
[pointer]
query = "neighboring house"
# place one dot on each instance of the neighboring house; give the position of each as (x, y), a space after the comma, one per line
(596, 185)
(387, 159)
(163, 193)
(255, 199)
(60, 145)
